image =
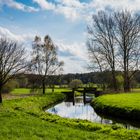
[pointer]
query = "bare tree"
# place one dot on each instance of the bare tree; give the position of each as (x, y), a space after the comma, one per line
(102, 42)
(12, 61)
(128, 37)
(97, 62)
(44, 58)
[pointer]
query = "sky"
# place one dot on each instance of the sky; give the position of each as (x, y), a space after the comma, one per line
(64, 20)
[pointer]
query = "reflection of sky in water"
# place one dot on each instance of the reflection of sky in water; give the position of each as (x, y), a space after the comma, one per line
(80, 111)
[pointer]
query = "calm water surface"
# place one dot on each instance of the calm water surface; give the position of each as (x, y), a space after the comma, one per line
(79, 110)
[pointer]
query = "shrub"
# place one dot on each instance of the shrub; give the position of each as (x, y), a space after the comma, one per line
(9, 86)
(75, 83)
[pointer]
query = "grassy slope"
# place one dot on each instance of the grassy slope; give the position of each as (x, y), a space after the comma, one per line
(121, 105)
(24, 119)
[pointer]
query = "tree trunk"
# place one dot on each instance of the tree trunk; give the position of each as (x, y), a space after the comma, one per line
(0, 94)
(43, 87)
(84, 96)
(103, 86)
(52, 89)
(114, 80)
(126, 82)
(125, 68)
(73, 94)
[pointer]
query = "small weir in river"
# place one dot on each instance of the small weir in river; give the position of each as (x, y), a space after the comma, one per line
(79, 110)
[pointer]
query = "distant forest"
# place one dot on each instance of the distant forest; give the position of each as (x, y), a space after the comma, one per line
(30, 80)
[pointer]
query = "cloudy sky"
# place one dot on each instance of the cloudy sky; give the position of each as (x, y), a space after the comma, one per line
(64, 20)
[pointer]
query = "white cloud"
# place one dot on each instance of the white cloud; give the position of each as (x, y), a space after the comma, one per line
(77, 50)
(71, 66)
(5, 33)
(66, 7)
(45, 5)
(69, 8)
(18, 6)
(24, 40)
(68, 12)
(71, 3)
(74, 9)
(115, 4)
(76, 57)
(74, 63)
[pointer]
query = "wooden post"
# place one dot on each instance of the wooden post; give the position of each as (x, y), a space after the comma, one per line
(84, 96)
(73, 96)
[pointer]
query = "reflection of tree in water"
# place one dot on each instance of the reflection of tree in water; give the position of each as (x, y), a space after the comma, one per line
(125, 125)
(54, 110)
(107, 121)
(68, 104)
(78, 100)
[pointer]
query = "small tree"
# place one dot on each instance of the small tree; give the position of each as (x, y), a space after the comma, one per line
(74, 84)
(44, 59)
(12, 61)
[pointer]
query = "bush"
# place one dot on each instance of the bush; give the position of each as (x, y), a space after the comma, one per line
(75, 83)
(9, 86)
(120, 81)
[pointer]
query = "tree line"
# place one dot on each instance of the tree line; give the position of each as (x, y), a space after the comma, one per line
(63, 80)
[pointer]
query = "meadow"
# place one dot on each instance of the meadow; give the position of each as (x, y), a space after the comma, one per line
(24, 119)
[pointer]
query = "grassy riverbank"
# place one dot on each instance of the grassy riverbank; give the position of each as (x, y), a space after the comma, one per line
(24, 119)
(125, 105)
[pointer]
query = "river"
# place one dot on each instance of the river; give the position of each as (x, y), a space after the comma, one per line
(79, 110)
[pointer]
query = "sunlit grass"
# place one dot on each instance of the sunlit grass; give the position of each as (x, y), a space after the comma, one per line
(126, 105)
(19, 91)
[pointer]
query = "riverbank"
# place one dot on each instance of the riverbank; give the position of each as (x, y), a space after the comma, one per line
(25, 119)
(125, 106)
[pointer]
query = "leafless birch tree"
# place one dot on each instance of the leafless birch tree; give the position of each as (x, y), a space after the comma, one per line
(44, 58)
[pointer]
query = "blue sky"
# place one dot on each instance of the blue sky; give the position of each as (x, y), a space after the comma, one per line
(64, 20)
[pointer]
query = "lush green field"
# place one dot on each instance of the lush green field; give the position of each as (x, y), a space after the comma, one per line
(25, 119)
(125, 105)
(19, 91)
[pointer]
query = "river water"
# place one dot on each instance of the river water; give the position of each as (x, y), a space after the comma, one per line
(79, 110)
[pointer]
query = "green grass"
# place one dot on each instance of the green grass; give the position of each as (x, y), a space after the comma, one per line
(32, 128)
(125, 105)
(20, 91)
(25, 119)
